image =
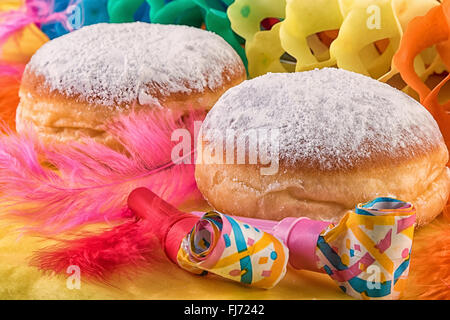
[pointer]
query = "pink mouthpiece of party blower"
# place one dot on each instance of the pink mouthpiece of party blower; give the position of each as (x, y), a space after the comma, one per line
(300, 235)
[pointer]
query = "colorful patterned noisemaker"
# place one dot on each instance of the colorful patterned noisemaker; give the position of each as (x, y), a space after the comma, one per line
(222, 245)
(367, 253)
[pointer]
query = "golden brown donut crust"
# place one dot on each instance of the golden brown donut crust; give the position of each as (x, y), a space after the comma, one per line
(293, 192)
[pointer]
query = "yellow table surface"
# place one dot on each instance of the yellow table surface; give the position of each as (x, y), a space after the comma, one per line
(165, 280)
(20, 281)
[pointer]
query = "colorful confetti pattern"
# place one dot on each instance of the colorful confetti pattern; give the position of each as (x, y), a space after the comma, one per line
(234, 250)
(368, 252)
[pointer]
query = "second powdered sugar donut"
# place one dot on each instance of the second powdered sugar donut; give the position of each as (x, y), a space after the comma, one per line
(317, 143)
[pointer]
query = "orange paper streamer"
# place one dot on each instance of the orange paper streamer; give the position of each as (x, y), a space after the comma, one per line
(430, 268)
(422, 33)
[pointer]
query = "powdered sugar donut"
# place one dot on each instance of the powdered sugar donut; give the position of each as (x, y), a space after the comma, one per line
(76, 83)
(331, 138)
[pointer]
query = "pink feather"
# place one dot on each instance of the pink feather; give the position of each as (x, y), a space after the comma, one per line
(33, 11)
(125, 249)
(58, 187)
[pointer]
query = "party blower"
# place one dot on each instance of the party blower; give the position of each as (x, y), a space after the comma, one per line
(367, 253)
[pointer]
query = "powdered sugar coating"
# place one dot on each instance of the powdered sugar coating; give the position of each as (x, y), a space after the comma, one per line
(116, 63)
(328, 119)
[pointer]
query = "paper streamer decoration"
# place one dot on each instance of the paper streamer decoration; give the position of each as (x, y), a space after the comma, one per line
(121, 11)
(263, 48)
(432, 29)
(364, 52)
(298, 33)
(234, 250)
(264, 53)
(301, 35)
(360, 36)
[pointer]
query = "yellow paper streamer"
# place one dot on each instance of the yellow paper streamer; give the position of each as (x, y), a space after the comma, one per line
(304, 19)
(369, 33)
(356, 51)
(246, 15)
(264, 53)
